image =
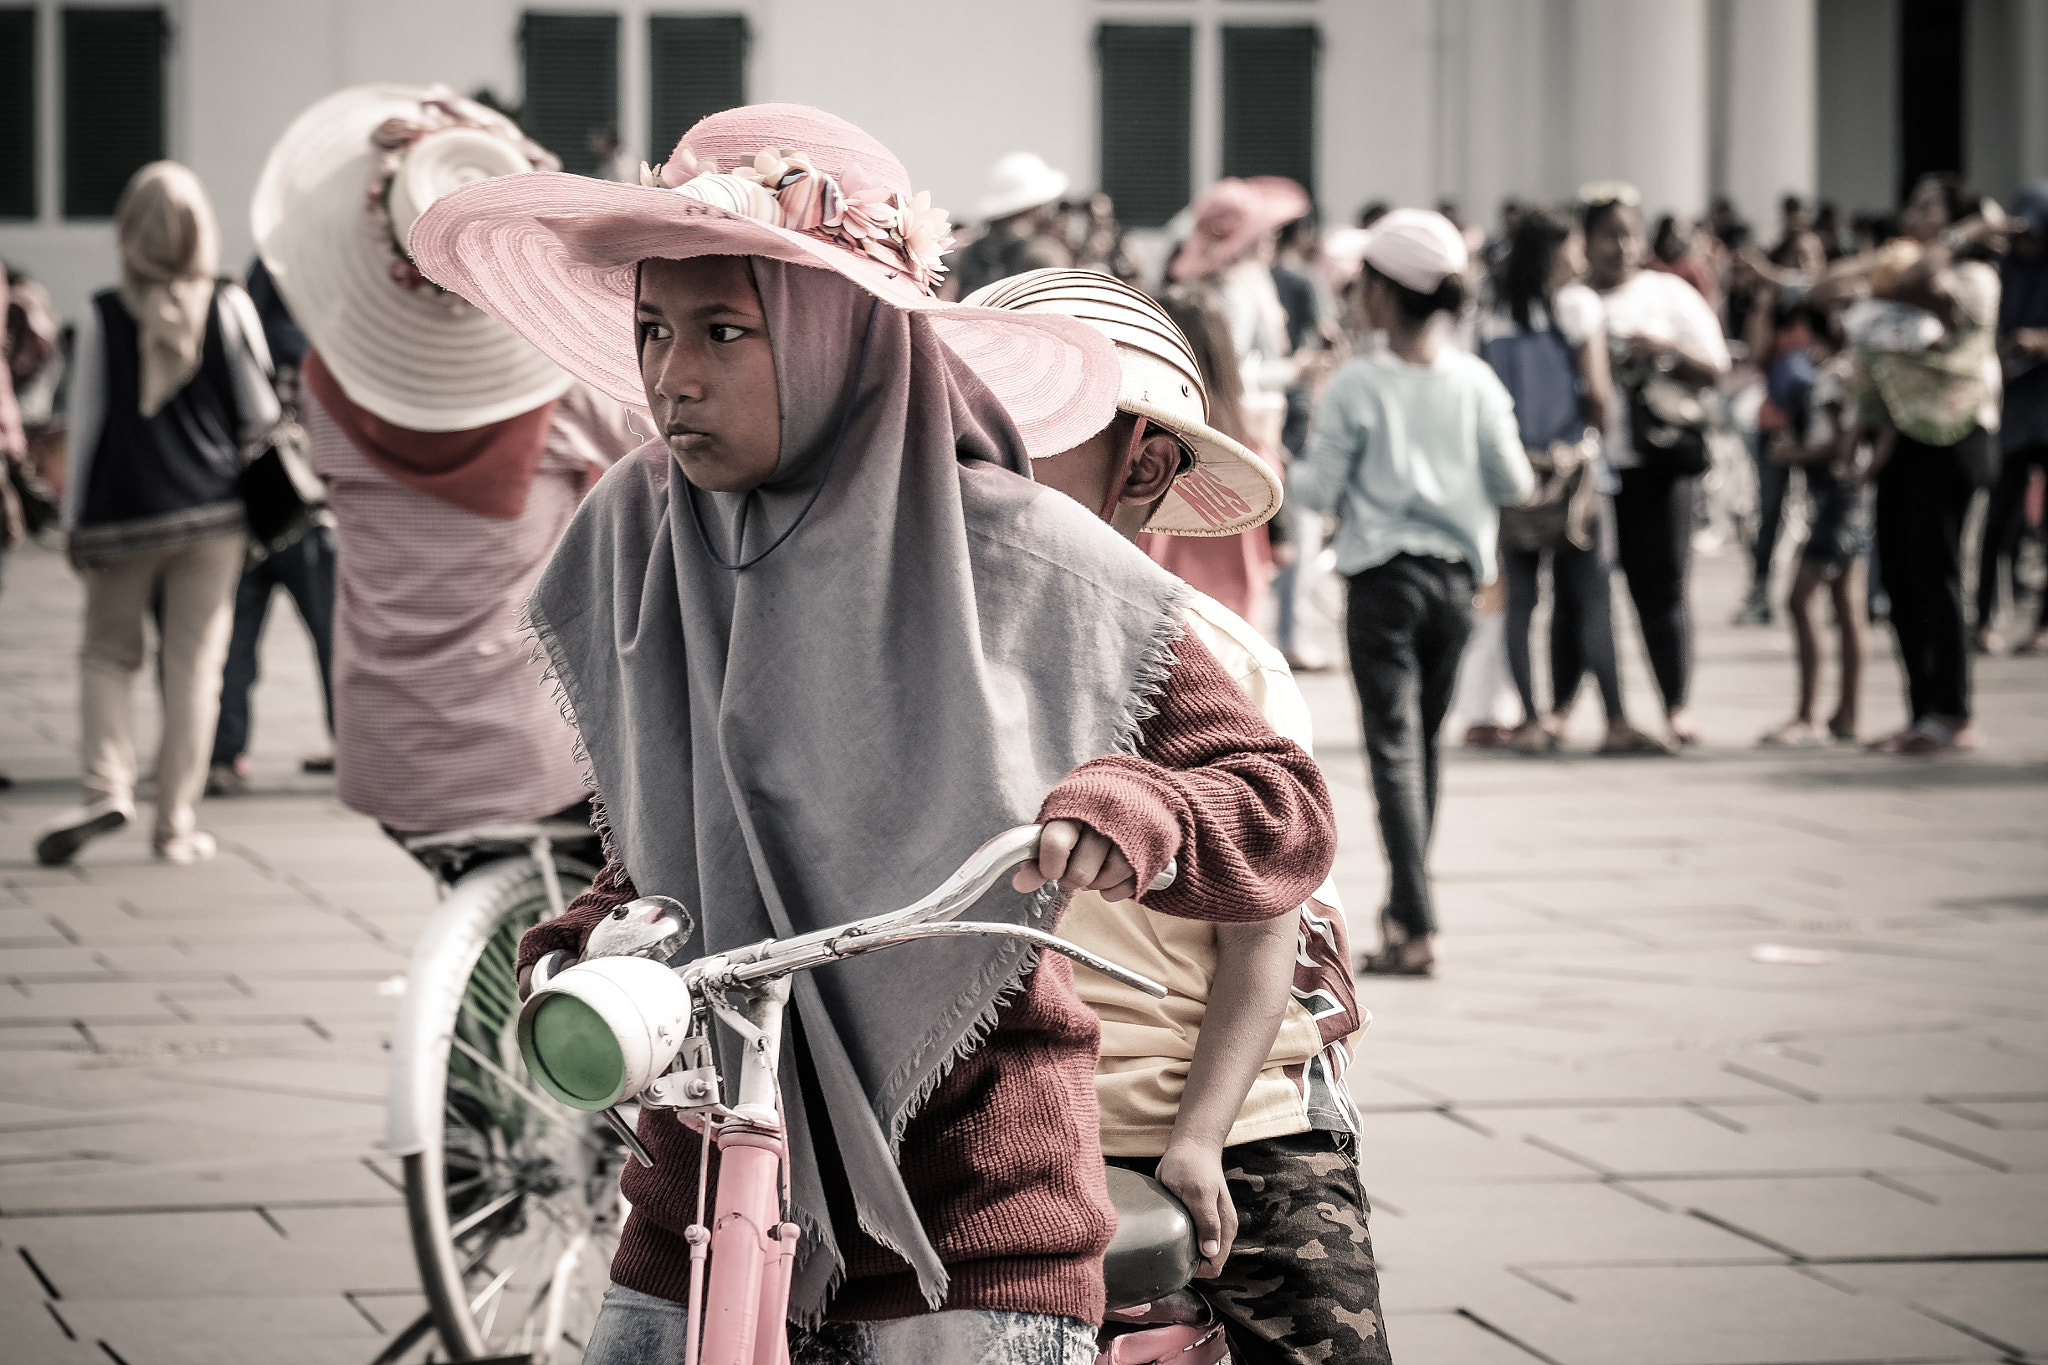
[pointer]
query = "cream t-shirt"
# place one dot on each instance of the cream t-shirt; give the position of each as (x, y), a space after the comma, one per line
(1147, 1044)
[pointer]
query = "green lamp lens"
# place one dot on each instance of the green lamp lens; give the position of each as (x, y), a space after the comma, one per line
(572, 1053)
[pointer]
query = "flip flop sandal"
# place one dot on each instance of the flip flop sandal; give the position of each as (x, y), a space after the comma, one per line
(1793, 736)
(1637, 744)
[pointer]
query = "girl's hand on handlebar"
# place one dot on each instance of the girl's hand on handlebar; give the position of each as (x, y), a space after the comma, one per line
(1194, 1172)
(1079, 859)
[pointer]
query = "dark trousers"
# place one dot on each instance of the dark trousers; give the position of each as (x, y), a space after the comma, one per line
(1773, 483)
(2003, 522)
(1923, 493)
(305, 569)
(1653, 520)
(1581, 620)
(1406, 622)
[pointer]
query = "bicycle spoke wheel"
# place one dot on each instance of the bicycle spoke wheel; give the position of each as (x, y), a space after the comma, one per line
(516, 1213)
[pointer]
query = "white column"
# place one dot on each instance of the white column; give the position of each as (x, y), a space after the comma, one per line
(1773, 107)
(1639, 99)
(2033, 91)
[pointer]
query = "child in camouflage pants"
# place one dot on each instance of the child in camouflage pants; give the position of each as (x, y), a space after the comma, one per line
(1230, 1091)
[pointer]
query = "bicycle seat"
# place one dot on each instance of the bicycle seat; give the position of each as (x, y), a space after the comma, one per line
(1153, 1252)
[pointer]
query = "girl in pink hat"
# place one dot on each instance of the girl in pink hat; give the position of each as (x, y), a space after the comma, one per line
(821, 638)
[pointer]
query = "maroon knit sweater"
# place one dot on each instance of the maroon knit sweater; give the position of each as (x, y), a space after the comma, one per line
(1004, 1162)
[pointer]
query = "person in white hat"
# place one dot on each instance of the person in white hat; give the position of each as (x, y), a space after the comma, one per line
(1261, 1092)
(1418, 447)
(1017, 224)
(453, 453)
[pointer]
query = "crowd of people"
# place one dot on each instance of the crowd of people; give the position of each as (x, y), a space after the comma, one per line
(999, 516)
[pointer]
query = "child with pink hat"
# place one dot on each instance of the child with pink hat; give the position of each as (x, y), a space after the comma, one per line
(820, 639)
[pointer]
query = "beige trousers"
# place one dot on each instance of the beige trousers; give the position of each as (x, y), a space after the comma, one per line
(198, 583)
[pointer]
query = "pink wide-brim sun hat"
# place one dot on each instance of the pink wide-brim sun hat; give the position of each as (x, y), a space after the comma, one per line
(554, 256)
(1232, 214)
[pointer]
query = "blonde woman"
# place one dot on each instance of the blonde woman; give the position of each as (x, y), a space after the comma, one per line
(172, 379)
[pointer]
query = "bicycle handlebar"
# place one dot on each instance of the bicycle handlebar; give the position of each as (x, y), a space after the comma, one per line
(928, 918)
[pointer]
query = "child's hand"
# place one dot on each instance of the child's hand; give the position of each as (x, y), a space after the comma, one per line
(1079, 859)
(1194, 1172)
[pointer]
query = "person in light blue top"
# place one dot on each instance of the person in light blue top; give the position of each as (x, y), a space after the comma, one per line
(1416, 448)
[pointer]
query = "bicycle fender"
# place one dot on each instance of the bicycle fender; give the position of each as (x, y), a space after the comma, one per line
(442, 960)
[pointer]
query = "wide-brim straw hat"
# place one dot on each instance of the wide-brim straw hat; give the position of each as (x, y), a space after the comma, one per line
(1230, 489)
(1232, 214)
(556, 256)
(396, 345)
(1018, 181)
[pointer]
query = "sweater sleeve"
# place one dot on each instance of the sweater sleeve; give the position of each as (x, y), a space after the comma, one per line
(1244, 810)
(571, 930)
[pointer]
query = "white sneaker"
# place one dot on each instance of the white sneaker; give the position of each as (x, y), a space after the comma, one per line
(74, 829)
(195, 847)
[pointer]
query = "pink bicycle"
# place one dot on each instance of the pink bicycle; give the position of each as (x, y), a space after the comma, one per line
(620, 1026)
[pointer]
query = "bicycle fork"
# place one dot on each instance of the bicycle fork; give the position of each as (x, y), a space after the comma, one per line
(753, 1254)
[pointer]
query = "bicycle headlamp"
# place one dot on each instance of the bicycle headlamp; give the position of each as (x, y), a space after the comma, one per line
(602, 1031)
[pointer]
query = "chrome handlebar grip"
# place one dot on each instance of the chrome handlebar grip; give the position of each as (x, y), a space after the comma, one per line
(774, 957)
(975, 928)
(929, 918)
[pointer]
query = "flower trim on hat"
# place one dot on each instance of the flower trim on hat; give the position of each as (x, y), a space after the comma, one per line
(395, 137)
(783, 189)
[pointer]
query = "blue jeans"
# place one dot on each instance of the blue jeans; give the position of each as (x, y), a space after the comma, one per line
(305, 569)
(1406, 622)
(639, 1329)
(1773, 481)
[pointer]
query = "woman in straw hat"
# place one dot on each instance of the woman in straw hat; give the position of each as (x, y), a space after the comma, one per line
(820, 640)
(453, 453)
(172, 378)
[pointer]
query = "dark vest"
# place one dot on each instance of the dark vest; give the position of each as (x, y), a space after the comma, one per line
(187, 455)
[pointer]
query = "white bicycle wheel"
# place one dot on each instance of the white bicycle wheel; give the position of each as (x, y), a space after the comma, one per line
(512, 1198)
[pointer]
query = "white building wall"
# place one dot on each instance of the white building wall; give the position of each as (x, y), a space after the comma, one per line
(1772, 104)
(1418, 99)
(1639, 98)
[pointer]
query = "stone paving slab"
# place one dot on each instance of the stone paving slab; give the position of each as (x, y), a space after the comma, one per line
(1606, 1133)
(1725, 1315)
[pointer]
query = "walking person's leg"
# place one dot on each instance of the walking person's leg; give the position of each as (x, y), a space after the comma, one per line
(199, 591)
(227, 770)
(2004, 514)
(308, 575)
(1444, 629)
(117, 595)
(1383, 610)
(1902, 493)
(1773, 481)
(1849, 591)
(1938, 549)
(1653, 525)
(1584, 581)
(1800, 731)
(1520, 569)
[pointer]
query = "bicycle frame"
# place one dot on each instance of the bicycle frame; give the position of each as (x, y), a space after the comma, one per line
(737, 1317)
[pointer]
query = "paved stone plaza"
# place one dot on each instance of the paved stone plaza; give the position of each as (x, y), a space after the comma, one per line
(1613, 1132)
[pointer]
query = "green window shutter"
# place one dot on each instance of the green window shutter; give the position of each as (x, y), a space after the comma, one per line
(1269, 101)
(113, 103)
(697, 66)
(1147, 104)
(17, 113)
(572, 83)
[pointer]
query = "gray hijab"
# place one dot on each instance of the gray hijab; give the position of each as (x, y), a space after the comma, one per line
(825, 735)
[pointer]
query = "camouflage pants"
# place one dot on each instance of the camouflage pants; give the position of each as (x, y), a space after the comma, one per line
(1300, 1287)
